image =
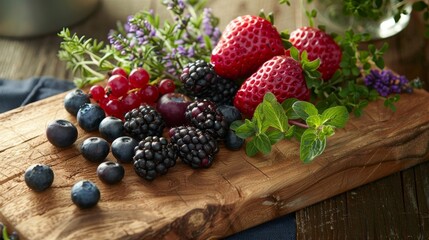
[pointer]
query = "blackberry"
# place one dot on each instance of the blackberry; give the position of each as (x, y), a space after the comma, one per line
(222, 92)
(195, 147)
(197, 78)
(153, 157)
(142, 122)
(204, 115)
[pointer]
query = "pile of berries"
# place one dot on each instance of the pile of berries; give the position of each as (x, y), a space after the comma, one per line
(130, 120)
(125, 92)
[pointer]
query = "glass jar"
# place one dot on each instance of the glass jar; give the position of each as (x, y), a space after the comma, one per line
(334, 16)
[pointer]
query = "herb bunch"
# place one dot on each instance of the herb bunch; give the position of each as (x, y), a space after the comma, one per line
(161, 47)
(273, 122)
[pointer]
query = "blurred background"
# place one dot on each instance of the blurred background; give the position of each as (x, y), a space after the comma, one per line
(24, 56)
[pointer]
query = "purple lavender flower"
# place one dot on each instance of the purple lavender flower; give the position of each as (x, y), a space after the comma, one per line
(386, 82)
(209, 26)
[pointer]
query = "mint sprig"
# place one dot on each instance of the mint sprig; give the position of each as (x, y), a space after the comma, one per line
(273, 122)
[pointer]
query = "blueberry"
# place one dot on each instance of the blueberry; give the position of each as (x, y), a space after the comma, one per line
(110, 172)
(123, 149)
(230, 113)
(85, 194)
(89, 117)
(74, 100)
(232, 141)
(61, 133)
(95, 149)
(39, 177)
(111, 128)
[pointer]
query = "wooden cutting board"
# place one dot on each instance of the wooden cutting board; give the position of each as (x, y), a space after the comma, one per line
(236, 193)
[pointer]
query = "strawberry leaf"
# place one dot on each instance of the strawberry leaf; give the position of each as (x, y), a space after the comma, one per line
(294, 53)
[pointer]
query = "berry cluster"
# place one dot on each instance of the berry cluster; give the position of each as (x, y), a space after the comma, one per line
(125, 92)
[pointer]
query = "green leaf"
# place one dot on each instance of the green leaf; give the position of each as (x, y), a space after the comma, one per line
(287, 107)
(290, 132)
(262, 143)
(294, 53)
(327, 130)
(274, 115)
(275, 136)
(258, 117)
(311, 65)
(314, 121)
(5, 235)
(247, 129)
(311, 145)
(335, 116)
(304, 109)
(251, 149)
(237, 123)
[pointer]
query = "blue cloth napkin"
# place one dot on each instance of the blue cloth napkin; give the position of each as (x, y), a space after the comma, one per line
(16, 93)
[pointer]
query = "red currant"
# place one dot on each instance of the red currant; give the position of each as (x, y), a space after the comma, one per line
(97, 92)
(114, 108)
(166, 86)
(118, 85)
(119, 71)
(149, 94)
(131, 101)
(102, 102)
(139, 78)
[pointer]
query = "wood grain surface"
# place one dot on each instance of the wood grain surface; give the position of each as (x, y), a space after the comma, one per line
(394, 207)
(236, 193)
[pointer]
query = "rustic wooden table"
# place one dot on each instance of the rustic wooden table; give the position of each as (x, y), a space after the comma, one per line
(394, 207)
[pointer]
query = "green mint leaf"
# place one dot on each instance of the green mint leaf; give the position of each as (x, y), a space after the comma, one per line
(287, 107)
(251, 149)
(290, 132)
(274, 115)
(327, 130)
(335, 116)
(275, 136)
(247, 129)
(304, 109)
(237, 123)
(311, 146)
(262, 143)
(314, 121)
(258, 118)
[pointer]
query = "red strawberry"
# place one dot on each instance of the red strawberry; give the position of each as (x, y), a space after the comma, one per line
(281, 75)
(247, 42)
(320, 45)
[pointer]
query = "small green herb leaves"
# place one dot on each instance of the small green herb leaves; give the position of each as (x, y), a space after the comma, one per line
(268, 125)
(273, 122)
(320, 127)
